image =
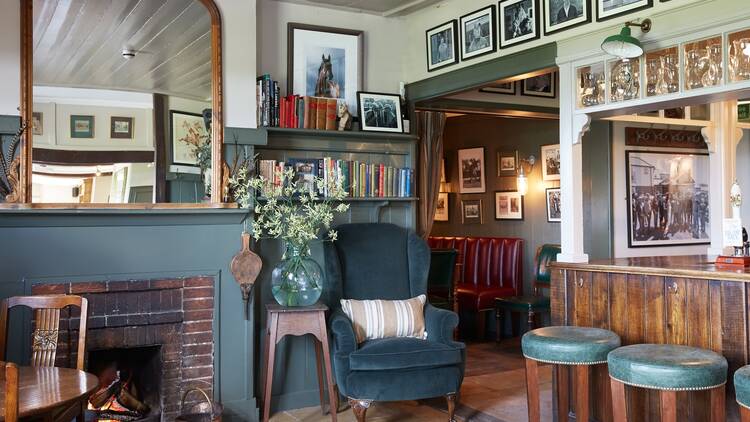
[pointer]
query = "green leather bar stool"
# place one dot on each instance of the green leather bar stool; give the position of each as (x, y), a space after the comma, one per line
(579, 347)
(669, 369)
(742, 391)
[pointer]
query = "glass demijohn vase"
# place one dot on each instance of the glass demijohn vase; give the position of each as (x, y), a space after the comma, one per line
(297, 279)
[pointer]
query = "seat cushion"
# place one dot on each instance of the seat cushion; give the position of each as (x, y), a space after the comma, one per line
(471, 298)
(523, 303)
(667, 367)
(569, 345)
(402, 353)
(395, 385)
(742, 385)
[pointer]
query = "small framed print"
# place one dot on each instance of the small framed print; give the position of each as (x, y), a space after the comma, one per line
(121, 128)
(471, 211)
(380, 112)
(471, 170)
(551, 162)
(553, 205)
(507, 163)
(608, 9)
(519, 21)
(441, 208)
(508, 88)
(478, 36)
(565, 14)
(442, 45)
(81, 126)
(37, 123)
(508, 206)
(540, 86)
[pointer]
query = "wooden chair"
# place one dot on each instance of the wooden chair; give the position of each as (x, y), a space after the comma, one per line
(44, 337)
(10, 377)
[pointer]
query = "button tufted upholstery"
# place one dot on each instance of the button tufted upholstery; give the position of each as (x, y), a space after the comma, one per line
(569, 345)
(667, 367)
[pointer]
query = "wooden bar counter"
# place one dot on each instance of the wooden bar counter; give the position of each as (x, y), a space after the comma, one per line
(674, 300)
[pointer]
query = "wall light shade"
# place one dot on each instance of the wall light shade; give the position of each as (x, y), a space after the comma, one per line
(522, 184)
(623, 45)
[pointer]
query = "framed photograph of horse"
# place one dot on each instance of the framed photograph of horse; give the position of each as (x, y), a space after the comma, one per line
(667, 198)
(325, 62)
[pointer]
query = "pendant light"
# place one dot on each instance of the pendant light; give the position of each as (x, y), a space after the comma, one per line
(624, 45)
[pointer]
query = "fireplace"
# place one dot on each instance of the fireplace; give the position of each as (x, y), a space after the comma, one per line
(156, 334)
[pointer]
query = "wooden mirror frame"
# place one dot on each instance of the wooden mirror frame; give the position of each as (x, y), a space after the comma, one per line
(27, 103)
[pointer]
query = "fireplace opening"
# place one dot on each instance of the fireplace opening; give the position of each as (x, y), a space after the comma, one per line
(129, 384)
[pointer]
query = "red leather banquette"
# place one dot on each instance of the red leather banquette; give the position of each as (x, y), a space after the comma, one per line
(486, 268)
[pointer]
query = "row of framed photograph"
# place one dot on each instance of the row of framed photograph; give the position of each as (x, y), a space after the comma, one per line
(479, 33)
(471, 162)
(508, 206)
(82, 127)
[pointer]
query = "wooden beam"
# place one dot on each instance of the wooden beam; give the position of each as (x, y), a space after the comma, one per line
(160, 142)
(76, 157)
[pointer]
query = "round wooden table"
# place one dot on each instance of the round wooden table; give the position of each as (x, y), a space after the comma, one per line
(44, 390)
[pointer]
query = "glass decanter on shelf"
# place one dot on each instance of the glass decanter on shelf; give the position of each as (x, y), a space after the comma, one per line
(712, 76)
(696, 66)
(624, 82)
(669, 82)
(654, 75)
(739, 59)
(591, 92)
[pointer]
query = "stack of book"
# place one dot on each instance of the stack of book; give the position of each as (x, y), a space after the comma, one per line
(358, 179)
(293, 111)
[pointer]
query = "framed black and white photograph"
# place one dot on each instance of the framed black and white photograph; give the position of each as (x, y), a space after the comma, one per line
(565, 14)
(471, 170)
(121, 128)
(508, 206)
(442, 45)
(551, 162)
(325, 62)
(478, 36)
(540, 86)
(507, 163)
(608, 9)
(667, 198)
(519, 21)
(380, 112)
(554, 215)
(441, 209)
(471, 211)
(508, 88)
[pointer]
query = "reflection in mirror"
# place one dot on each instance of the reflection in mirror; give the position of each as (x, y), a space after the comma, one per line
(109, 80)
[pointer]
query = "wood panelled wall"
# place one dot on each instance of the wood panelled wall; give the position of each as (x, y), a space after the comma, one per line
(710, 314)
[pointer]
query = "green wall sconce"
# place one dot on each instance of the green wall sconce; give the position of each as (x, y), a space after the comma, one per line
(624, 45)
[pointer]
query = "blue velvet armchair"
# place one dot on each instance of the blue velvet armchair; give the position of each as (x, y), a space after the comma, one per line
(384, 261)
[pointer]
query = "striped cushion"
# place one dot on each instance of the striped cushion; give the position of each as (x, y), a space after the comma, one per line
(373, 319)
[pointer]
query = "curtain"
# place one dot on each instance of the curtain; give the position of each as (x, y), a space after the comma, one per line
(430, 125)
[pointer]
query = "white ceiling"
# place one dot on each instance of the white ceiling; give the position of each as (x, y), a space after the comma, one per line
(377, 7)
(78, 43)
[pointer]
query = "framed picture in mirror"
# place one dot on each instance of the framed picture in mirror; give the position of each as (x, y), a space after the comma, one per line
(121, 128)
(37, 123)
(188, 135)
(81, 126)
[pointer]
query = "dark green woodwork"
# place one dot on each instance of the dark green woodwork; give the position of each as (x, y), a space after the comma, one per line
(569, 345)
(484, 107)
(667, 367)
(598, 230)
(530, 60)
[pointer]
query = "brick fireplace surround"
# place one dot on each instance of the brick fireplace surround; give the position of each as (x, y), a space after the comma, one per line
(174, 313)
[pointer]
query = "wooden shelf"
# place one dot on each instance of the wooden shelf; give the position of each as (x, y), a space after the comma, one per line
(359, 135)
(384, 199)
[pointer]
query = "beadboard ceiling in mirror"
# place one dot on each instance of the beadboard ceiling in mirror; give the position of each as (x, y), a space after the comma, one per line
(377, 7)
(79, 43)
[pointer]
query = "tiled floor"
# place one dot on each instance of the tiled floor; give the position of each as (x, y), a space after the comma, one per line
(494, 390)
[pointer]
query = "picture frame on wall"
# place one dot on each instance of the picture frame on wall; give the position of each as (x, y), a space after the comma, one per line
(471, 170)
(472, 212)
(325, 62)
(81, 127)
(188, 130)
(478, 33)
(554, 214)
(442, 206)
(508, 88)
(519, 21)
(121, 128)
(550, 155)
(668, 198)
(442, 45)
(508, 205)
(560, 15)
(507, 163)
(608, 9)
(37, 123)
(540, 86)
(380, 112)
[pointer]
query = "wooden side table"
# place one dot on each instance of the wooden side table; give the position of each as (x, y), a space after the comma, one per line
(298, 321)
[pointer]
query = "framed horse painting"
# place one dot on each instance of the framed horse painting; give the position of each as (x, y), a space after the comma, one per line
(325, 62)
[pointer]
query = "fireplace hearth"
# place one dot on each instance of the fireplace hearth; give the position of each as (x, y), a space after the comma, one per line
(148, 341)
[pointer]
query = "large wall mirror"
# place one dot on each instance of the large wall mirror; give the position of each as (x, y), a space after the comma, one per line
(125, 103)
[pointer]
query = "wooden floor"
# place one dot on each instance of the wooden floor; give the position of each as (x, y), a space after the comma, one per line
(494, 390)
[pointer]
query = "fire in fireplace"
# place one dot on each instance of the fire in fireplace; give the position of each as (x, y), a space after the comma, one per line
(129, 384)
